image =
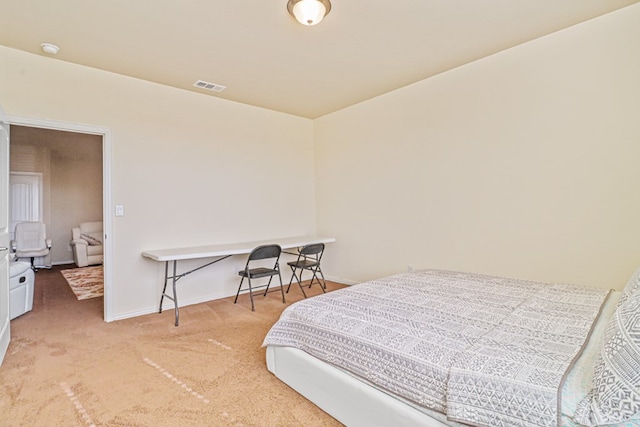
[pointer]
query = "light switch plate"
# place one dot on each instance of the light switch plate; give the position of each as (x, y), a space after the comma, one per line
(119, 210)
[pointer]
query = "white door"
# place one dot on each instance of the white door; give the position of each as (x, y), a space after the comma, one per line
(25, 199)
(5, 333)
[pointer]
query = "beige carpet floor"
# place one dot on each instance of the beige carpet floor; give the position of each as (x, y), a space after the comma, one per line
(66, 367)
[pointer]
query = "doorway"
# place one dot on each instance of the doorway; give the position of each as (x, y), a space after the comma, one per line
(75, 162)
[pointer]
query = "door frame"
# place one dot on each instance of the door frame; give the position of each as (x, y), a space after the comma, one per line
(5, 312)
(106, 191)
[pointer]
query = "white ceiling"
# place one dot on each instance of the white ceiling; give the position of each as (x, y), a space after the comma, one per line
(362, 49)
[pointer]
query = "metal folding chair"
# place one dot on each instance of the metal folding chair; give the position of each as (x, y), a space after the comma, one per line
(309, 257)
(264, 252)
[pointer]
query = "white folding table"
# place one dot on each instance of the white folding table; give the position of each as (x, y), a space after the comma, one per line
(219, 252)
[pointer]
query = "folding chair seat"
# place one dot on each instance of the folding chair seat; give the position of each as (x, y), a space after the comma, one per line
(309, 257)
(261, 253)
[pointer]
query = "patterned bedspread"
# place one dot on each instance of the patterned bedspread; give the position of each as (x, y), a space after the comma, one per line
(484, 350)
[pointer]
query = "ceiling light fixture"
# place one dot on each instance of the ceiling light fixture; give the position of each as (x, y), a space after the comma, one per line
(309, 12)
(49, 48)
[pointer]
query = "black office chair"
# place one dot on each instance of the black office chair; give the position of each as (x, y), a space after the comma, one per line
(261, 253)
(309, 257)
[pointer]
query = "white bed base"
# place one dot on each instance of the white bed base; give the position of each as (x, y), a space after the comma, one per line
(344, 397)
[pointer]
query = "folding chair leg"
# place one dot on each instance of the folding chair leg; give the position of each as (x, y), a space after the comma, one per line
(324, 282)
(322, 286)
(239, 287)
(299, 279)
(251, 293)
(313, 276)
(293, 274)
(268, 284)
(281, 287)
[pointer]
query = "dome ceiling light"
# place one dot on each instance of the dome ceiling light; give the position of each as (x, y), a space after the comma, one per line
(309, 12)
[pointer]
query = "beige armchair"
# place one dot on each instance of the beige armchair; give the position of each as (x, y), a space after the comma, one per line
(87, 244)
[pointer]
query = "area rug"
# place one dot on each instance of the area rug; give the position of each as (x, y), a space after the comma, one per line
(85, 282)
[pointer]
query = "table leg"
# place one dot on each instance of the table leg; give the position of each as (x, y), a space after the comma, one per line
(164, 289)
(175, 295)
(174, 278)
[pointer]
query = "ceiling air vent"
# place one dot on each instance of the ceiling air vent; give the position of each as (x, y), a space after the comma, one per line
(209, 86)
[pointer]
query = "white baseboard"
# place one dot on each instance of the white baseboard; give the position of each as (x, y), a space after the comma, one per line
(341, 281)
(167, 304)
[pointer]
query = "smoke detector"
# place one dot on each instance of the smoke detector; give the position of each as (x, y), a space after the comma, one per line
(49, 48)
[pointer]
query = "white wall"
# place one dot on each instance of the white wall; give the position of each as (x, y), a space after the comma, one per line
(76, 194)
(523, 164)
(189, 169)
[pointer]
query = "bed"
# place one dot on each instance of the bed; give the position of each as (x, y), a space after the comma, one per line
(440, 348)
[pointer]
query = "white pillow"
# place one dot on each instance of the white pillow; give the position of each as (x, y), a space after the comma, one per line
(615, 396)
(632, 287)
(94, 239)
